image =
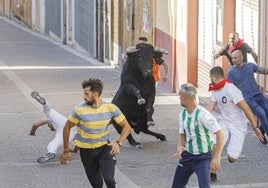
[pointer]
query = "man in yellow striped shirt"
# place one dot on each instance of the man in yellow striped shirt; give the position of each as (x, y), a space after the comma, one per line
(92, 118)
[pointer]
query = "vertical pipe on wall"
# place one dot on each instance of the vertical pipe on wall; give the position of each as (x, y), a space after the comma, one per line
(192, 41)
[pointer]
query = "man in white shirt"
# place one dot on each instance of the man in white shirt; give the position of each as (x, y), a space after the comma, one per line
(233, 109)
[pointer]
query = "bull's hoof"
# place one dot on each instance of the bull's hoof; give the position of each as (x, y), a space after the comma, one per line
(138, 145)
(150, 123)
(135, 144)
(132, 142)
(141, 101)
(162, 138)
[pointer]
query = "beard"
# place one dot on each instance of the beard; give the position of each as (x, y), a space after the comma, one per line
(183, 105)
(90, 103)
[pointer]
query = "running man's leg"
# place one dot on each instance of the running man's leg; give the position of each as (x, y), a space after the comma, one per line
(263, 102)
(89, 158)
(182, 175)
(183, 171)
(259, 111)
(202, 169)
(237, 139)
(107, 163)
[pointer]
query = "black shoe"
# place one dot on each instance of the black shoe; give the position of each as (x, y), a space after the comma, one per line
(264, 142)
(36, 96)
(213, 177)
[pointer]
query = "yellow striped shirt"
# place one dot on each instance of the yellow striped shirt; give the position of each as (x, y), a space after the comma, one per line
(92, 123)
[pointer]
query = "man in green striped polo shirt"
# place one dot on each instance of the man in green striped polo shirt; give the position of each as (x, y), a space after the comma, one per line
(197, 131)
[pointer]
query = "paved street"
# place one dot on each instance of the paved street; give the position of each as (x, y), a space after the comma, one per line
(29, 62)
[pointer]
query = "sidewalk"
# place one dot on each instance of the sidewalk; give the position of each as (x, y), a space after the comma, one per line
(32, 62)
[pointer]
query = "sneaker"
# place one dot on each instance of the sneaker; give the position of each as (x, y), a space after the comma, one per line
(141, 101)
(36, 96)
(47, 157)
(213, 177)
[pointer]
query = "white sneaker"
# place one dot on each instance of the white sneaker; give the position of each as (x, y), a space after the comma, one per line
(47, 157)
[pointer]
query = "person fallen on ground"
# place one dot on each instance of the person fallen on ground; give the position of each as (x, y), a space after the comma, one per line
(55, 122)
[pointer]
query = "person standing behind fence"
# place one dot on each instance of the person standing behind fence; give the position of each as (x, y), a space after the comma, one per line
(196, 140)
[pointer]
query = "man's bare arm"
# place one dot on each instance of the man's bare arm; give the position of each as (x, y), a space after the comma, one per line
(211, 106)
(66, 134)
(165, 77)
(126, 129)
(66, 155)
(38, 124)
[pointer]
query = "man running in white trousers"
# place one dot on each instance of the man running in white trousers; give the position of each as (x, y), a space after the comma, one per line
(55, 122)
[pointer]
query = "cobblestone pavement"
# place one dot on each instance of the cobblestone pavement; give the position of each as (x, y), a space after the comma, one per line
(32, 62)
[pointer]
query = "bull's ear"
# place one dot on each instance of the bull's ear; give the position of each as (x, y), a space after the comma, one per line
(132, 49)
(162, 50)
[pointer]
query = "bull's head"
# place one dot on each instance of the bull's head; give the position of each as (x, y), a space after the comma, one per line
(142, 55)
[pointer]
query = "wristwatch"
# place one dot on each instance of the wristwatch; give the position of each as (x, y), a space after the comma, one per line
(119, 143)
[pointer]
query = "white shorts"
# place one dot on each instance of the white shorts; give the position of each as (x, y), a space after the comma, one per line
(237, 134)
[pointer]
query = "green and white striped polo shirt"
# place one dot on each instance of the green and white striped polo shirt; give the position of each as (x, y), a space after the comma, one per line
(198, 128)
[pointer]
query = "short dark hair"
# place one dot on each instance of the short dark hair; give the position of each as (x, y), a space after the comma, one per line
(95, 85)
(235, 34)
(217, 72)
(143, 38)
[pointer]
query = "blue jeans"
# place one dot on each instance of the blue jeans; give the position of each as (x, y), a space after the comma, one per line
(200, 164)
(259, 106)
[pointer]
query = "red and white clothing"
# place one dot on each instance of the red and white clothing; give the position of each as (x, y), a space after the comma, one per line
(231, 119)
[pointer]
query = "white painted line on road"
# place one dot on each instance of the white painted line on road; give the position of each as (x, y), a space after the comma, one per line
(2, 67)
(250, 185)
(21, 85)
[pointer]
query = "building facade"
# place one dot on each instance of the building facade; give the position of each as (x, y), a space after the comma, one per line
(191, 30)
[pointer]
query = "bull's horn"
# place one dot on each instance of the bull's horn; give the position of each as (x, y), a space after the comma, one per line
(132, 49)
(162, 50)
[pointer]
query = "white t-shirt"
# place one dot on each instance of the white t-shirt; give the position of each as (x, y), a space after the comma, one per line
(226, 99)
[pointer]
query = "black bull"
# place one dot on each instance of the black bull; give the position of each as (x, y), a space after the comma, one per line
(137, 81)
